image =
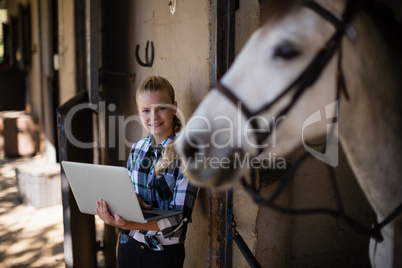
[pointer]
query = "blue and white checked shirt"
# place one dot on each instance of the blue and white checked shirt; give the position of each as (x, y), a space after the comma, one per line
(171, 191)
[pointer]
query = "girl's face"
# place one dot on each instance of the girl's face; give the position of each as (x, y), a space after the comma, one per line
(156, 113)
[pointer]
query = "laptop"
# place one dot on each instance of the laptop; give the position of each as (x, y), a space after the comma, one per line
(91, 182)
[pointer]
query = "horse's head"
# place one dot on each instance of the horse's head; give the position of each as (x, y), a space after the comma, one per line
(231, 125)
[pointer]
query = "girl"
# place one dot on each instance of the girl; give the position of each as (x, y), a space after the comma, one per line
(158, 182)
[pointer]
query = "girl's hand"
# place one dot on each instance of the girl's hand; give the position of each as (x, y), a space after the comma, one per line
(102, 211)
(143, 204)
(115, 220)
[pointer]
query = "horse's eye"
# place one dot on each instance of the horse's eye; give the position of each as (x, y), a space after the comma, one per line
(287, 50)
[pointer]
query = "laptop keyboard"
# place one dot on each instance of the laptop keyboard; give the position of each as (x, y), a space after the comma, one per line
(149, 214)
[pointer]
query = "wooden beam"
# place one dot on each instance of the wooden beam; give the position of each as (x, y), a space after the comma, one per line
(80, 245)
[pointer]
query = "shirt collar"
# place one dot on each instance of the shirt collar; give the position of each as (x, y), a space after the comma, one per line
(163, 143)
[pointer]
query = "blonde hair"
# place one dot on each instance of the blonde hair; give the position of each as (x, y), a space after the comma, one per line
(153, 84)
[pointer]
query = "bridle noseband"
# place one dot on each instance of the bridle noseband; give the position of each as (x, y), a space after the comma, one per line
(306, 79)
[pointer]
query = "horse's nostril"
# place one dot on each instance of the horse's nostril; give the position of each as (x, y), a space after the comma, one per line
(191, 148)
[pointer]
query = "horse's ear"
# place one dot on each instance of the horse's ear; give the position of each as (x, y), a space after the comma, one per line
(276, 8)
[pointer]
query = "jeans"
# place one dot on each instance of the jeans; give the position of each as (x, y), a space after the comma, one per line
(136, 254)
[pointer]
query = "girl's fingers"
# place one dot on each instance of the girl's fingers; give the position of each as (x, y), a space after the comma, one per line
(145, 205)
(103, 212)
(102, 209)
(103, 206)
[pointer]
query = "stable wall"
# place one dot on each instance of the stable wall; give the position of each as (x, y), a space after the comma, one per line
(182, 55)
(314, 240)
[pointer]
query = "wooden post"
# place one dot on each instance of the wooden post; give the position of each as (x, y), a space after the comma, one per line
(80, 245)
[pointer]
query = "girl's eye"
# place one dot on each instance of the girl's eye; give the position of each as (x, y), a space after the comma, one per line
(162, 108)
(286, 50)
(145, 111)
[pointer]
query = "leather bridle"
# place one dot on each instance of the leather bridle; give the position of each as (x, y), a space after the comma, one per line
(306, 79)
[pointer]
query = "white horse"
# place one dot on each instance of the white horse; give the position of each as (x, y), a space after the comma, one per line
(370, 126)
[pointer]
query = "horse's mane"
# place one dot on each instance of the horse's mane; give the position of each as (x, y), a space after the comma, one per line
(381, 12)
(384, 18)
(380, 8)
(276, 9)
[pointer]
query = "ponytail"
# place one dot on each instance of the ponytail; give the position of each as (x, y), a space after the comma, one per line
(176, 124)
(168, 153)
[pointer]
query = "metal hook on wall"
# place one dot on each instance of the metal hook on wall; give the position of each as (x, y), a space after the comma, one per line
(147, 63)
(172, 5)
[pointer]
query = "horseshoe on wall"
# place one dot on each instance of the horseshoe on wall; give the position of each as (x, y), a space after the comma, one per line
(147, 63)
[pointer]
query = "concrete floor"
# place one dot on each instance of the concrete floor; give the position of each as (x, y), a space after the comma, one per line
(29, 237)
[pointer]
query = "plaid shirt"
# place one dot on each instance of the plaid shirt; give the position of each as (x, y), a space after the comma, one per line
(171, 191)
